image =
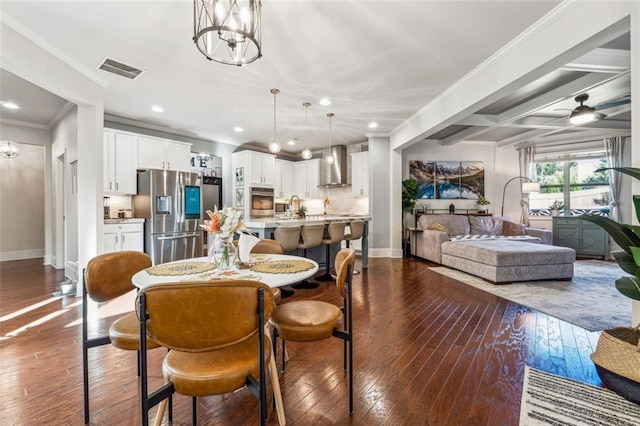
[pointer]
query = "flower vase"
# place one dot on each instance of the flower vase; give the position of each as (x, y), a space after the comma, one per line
(224, 253)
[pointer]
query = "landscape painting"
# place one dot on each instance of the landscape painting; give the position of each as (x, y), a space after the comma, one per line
(448, 180)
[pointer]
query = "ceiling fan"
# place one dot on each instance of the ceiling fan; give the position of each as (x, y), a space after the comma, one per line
(584, 113)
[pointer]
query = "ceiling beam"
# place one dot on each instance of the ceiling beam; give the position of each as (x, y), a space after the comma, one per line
(601, 61)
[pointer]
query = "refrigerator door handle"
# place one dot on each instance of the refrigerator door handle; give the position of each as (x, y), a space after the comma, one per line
(178, 237)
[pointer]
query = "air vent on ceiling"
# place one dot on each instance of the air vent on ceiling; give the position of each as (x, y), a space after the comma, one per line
(115, 67)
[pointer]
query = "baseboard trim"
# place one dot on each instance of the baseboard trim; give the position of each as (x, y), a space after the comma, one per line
(21, 255)
(385, 252)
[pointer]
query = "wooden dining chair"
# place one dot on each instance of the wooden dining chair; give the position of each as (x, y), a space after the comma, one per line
(311, 320)
(106, 277)
(215, 336)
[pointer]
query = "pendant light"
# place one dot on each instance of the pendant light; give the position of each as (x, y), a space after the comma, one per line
(9, 149)
(274, 146)
(306, 153)
(228, 31)
(329, 159)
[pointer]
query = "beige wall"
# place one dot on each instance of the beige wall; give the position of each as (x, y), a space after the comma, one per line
(22, 210)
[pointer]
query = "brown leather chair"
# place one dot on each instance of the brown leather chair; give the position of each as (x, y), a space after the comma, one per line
(106, 277)
(216, 340)
(288, 236)
(310, 320)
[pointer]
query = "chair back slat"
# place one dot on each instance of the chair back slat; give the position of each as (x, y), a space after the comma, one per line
(204, 316)
(108, 275)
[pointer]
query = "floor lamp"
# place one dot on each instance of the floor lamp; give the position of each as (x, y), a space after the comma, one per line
(528, 187)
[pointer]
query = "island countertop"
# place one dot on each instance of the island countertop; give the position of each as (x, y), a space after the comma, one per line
(271, 222)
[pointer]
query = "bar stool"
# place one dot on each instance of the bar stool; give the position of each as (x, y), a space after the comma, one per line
(356, 230)
(288, 236)
(336, 235)
(311, 237)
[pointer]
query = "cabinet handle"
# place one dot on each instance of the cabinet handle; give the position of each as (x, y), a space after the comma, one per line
(123, 239)
(116, 186)
(168, 165)
(163, 164)
(116, 239)
(110, 184)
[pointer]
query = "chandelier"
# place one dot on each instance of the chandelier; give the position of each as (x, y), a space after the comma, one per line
(9, 149)
(228, 31)
(306, 153)
(274, 146)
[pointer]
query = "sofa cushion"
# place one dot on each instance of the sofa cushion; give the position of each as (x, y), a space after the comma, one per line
(485, 225)
(457, 224)
(439, 227)
(512, 229)
(503, 252)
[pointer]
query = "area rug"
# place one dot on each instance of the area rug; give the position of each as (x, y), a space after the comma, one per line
(552, 400)
(590, 300)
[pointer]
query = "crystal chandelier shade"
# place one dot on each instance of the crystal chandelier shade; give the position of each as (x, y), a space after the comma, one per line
(9, 150)
(329, 159)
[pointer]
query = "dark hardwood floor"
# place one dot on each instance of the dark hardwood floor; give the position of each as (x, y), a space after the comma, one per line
(428, 351)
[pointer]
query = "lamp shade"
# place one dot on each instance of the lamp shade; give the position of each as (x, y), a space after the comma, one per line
(530, 187)
(9, 149)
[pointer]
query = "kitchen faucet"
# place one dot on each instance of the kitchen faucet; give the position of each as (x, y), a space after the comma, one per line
(295, 212)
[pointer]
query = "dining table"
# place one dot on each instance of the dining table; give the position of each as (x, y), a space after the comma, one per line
(275, 270)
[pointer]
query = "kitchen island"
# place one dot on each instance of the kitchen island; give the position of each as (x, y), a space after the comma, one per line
(264, 228)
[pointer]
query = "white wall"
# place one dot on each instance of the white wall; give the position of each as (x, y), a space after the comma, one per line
(22, 209)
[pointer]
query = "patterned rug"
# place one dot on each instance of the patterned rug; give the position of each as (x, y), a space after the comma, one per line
(590, 300)
(552, 400)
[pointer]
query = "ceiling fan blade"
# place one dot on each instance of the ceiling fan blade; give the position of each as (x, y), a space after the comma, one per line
(613, 104)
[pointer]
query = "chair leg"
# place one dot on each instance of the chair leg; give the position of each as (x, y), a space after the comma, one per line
(327, 273)
(306, 284)
(85, 376)
(350, 376)
(194, 411)
(284, 361)
(160, 413)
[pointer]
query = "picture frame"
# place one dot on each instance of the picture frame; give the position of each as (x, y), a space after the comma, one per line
(240, 176)
(239, 197)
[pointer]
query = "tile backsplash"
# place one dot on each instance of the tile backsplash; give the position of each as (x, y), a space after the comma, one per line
(341, 201)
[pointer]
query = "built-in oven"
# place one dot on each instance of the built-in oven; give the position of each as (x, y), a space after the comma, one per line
(262, 202)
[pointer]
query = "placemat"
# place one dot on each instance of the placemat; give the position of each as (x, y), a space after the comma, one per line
(282, 266)
(181, 268)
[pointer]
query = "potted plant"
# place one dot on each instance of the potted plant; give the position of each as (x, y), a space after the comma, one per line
(410, 192)
(482, 203)
(555, 207)
(617, 357)
(302, 212)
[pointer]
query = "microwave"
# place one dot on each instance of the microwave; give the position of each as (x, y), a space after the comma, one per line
(281, 207)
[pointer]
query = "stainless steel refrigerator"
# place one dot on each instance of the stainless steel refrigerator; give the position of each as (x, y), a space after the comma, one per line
(211, 199)
(171, 203)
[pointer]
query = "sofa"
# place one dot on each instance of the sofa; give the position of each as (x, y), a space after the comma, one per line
(493, 248)
(433, 230)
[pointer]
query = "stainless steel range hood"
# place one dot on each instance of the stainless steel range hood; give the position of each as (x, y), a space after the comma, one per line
(335, 174)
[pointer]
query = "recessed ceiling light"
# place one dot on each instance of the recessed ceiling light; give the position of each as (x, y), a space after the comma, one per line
(238, 129)
(292, 141)
(373, 125)
(325, 101)
(157, 108)
(10, 105)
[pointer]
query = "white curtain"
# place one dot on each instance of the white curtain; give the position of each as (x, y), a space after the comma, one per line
(613, 147)
(525, 156)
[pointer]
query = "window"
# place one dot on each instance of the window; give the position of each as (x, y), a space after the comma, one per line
(575, 183)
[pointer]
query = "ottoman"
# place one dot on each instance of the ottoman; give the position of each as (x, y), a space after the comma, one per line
(503, 261)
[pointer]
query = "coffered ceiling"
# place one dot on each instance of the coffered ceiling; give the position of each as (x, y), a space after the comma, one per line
(378, 61)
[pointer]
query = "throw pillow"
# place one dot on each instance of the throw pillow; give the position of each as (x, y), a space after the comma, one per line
(512, 229)
(438, 227)
(485, 225)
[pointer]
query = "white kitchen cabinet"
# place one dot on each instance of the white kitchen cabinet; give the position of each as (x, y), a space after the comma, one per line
(307, 178)
(123, 237)
(255, 169)
(283, 179)
(120, 160)
(360, 174)
(162, 154)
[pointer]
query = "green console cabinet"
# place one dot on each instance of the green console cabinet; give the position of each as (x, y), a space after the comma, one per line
(586, 238)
